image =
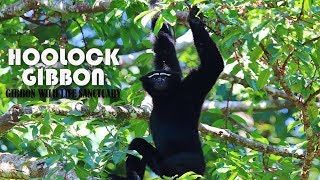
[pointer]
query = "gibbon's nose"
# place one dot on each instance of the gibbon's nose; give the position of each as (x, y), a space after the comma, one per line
(160, 84)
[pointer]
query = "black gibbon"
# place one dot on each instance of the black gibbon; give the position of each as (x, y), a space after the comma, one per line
(177, 105)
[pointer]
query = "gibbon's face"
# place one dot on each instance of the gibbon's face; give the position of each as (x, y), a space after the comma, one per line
(161, 82)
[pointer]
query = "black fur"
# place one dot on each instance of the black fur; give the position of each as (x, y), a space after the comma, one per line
(176, 107)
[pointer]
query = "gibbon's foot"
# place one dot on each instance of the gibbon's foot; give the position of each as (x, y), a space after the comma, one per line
(131, 176)
(116, 177)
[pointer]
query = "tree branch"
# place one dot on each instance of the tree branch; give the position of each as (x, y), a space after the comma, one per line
(310, 152)
(22, 167)
(236, 106)
(22, 6)
(270, 90)
(143, 113)
(227, 135)
(10, 119)
(17, 9)
(37, 22)
(312, 96)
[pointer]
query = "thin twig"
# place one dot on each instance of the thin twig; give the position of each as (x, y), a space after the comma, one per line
(310, 144)
(243, 126)
(313, 95)
(279, 77)
(287, 59)
(38, 22)
(302, 9)
(83, 38)
(311, 40)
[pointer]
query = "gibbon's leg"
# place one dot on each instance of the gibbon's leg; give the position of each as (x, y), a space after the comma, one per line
(135, 166)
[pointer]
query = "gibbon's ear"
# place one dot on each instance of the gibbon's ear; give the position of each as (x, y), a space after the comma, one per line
(143, 78)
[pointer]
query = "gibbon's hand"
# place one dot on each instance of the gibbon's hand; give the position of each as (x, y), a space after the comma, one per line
(192, 15)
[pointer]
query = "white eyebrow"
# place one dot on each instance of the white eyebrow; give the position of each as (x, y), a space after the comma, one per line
(166, 74)
(154, 74)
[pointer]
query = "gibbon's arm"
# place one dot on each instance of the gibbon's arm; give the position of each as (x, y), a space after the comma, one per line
(200, 81)
(166, 58)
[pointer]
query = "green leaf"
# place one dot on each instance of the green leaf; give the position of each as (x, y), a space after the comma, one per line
(15, 139)
(281, 29)
(303, 56)
(69, 166)
(75, 113)
(275, 51)
(134, 153)
(313, 110)
(299, 31)
(45, 129)
(263, 33)
(170, 16)
(239, 119)
(72, 150)
(52, 172)
(275, 157)
(292, 125)
(144, 59)
(109, 16)
(118, 13)
(118, 156)
(45, 33)
(263, 78)
(251, 42)
(147, 18)
(142, 14)
(80, 171)
(93, 102)
(225, 169)
(231, 37)
(189, 176)
(140, 128)
(295, 174)
(5, 70)
(307, 5)
(194, 2)
(256, 54)
(51, 160)
(301, 145)
(262, 139)
(235, 70)
(58, 130)
(218, 123)
(158, 25)
(256, 135)
(35, 131)
(22, 129)
(125, 37)
(296, 87)
(316, 52)
(251, 82)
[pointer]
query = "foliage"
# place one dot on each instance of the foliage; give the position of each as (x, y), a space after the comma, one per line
(255, 37)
